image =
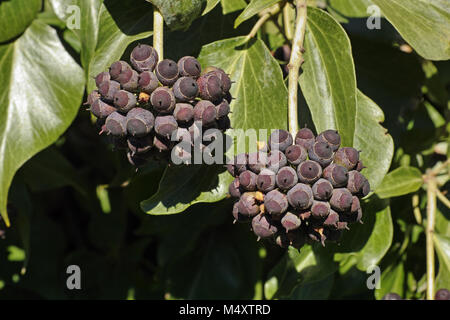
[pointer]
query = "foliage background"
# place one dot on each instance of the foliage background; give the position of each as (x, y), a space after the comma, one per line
(71, 199)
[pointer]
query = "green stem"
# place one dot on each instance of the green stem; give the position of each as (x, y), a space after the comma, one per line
(442, 198)
(158, 32)
(295, 64)
(288, 32)
(264, 16)
(431, 217)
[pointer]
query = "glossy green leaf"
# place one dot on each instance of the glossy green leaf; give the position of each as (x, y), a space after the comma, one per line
(229, 6)
(328, 80)
(392, 280)
(442, 246)
(210, 5)
(401, 181)
(350, 8)
(259, 91)
(16, 16)
(179, 14)
(367, 244)
(41, 90)
(372, 139)
(424, 24)
(183, 186)
(253, 8)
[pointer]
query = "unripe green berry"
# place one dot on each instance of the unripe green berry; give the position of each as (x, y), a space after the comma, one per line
(185, 89)
(163, 100)
(336, 174)
(295, 154)
(300, 196)
(322, 189)
(140, 122)
(148, 82)
(144, 58)
(167, 72)
(189, 67)
(309, 171)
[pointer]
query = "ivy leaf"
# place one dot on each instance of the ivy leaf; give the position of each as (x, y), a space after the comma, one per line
(328, 80)
(179, 14)
(372, 139)
(35, 65)
(229, 6)
(210, 5)
(253, 8)
(424, 24)
(183, 186)
(16, 16)
(350, 8)
(401, 181)
(392, 280)
(442, 245)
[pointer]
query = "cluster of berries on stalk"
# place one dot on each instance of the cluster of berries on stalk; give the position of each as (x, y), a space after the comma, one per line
(299, 190)
(150, 106)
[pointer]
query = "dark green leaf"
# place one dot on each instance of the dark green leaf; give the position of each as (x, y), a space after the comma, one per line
(229, 6)
(16, 16)
(424, 24)
(401, 181)
(210, 4)
(179, 14)
(328, 80)
(253, 8)
(392, 280)
(41, 89)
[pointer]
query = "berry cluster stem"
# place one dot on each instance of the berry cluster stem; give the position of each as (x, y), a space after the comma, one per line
(431, 217)
(158, 32)
(295, 64)
(263, 17)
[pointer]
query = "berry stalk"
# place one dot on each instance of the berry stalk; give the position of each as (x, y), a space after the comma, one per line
(158, 32)
(295, 64)
(431, 217)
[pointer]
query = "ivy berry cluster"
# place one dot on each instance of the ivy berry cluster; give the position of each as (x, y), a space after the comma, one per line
(299, 191)
(150, 105)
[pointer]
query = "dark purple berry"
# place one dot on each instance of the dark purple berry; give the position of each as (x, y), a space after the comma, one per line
(321, 152)
(300, 196)
(223, 123)
(295, 154)
(165, 125)
(124, 101)
(162, 143)
(117, 68)
(237, 165)
(140, 145)
(116, 124)
(347, 157)
(140, 122)
(322, 189)
(167, 72)
(359, 166)
(263, 227)
(320, 209)
(108, 89)
(257, 161)
(144, 58)
(189, 67)
(275, 203)
(297, 238)
(92, 97)
(365, 189)
(276, 160)
(129, 80)
(224, 78)
(280, 140)
(184, 112)
(442, 294)
(290, 221)
(248, 205)
(102, 77)
(309, 171)
(238, 217)
(341, 200)
(336, 174)
(222, 109)
(265, 181)
(331, 137)
(355, 182)
(101, 109)
(148, 82)
(210, 87)
(163, 100)
(185, 89)
(305, 137)
(234, 189)
(332, 220)
(286, 178)
(205, 111)
(247, 180)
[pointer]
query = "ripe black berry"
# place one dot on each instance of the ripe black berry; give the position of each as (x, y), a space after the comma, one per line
(355, 182)
(275, 203)
(295, 154)
(163, 100)
(185, 89)
(263, 227)
(101, 109)
(124, 101)
(117, 68)
(265, 181)
(309, 171)
(224, 78)
(305, 137)
(300, 196)
(165, 125)
(108, 89)
(248, 206)
(442, 294)
(167, 72)
(205, 111)
(332, 220)
(237, 165)
(286, 178)
(331, 137)
(247, 180)
(320, 209)
(162, 144)
(116, 124)
(347, 157)
(92, 97)
(321, 152)
(341, 200)
(234, 189)
(257, 161)
(140, 122)
(222, 109)
(290, 221)
(184, 112)
(101, 77)
(148, 82)
(322, 189)
(210, 87)
(280, 140)
(144, 58)
(140, 145)
(276, 160)
(128, 80)
(336, 174)
(189, 67)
